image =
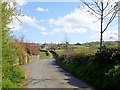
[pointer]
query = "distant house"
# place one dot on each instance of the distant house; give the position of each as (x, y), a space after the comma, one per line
(30, 48)
(22, 51)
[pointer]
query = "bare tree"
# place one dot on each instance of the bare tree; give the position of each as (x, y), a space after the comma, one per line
(104, 10)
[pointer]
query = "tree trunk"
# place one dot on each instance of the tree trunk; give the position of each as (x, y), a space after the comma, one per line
(119, 28)
(101, 32)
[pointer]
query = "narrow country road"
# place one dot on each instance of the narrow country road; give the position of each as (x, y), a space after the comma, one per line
(46, 74)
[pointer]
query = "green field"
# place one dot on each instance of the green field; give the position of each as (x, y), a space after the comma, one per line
(59, 51)
(44, 55)
(84, 50)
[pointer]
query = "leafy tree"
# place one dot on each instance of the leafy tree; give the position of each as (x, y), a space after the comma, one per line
(104, 10)
(0, 50)
(78, 43)
(7, 52)
(9, 71)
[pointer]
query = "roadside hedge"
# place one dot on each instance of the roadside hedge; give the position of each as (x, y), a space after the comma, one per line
(101, 70)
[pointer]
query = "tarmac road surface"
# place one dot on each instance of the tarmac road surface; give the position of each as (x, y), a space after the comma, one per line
(47, 74)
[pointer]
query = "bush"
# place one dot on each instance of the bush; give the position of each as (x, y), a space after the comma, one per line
(16, 74)
(6, 83)
(107, 57)
(113, 77)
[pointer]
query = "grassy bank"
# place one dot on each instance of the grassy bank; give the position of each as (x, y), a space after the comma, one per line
(100, 69)
(13, 78)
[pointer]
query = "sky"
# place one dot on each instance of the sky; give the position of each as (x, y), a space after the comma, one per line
(57, 22)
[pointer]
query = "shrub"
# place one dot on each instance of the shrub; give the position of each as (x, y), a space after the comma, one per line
(107, 57)
(15, 74)
(6, 83)
(112, 76)
(47, 53)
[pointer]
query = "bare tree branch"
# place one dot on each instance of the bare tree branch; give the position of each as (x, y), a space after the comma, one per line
(18, 19)
(112, 17)
(91, 8)
(98, 6)
(108, 2)
(95, 15)
(110, 20)
(110, 11)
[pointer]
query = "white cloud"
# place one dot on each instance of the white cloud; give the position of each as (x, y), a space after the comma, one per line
(20, 2)
(44, 33)
(69, 30)
(40, 9)
(76, 22)
(63, 31)
(15, 27)
(31, 21)
(15, 24)
(27, 19)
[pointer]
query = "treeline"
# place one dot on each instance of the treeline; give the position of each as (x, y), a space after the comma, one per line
(110, 44)
(12, 75)
(99, 68)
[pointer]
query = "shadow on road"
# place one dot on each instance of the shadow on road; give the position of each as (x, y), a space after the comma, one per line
(46, 74)
(71, 79)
